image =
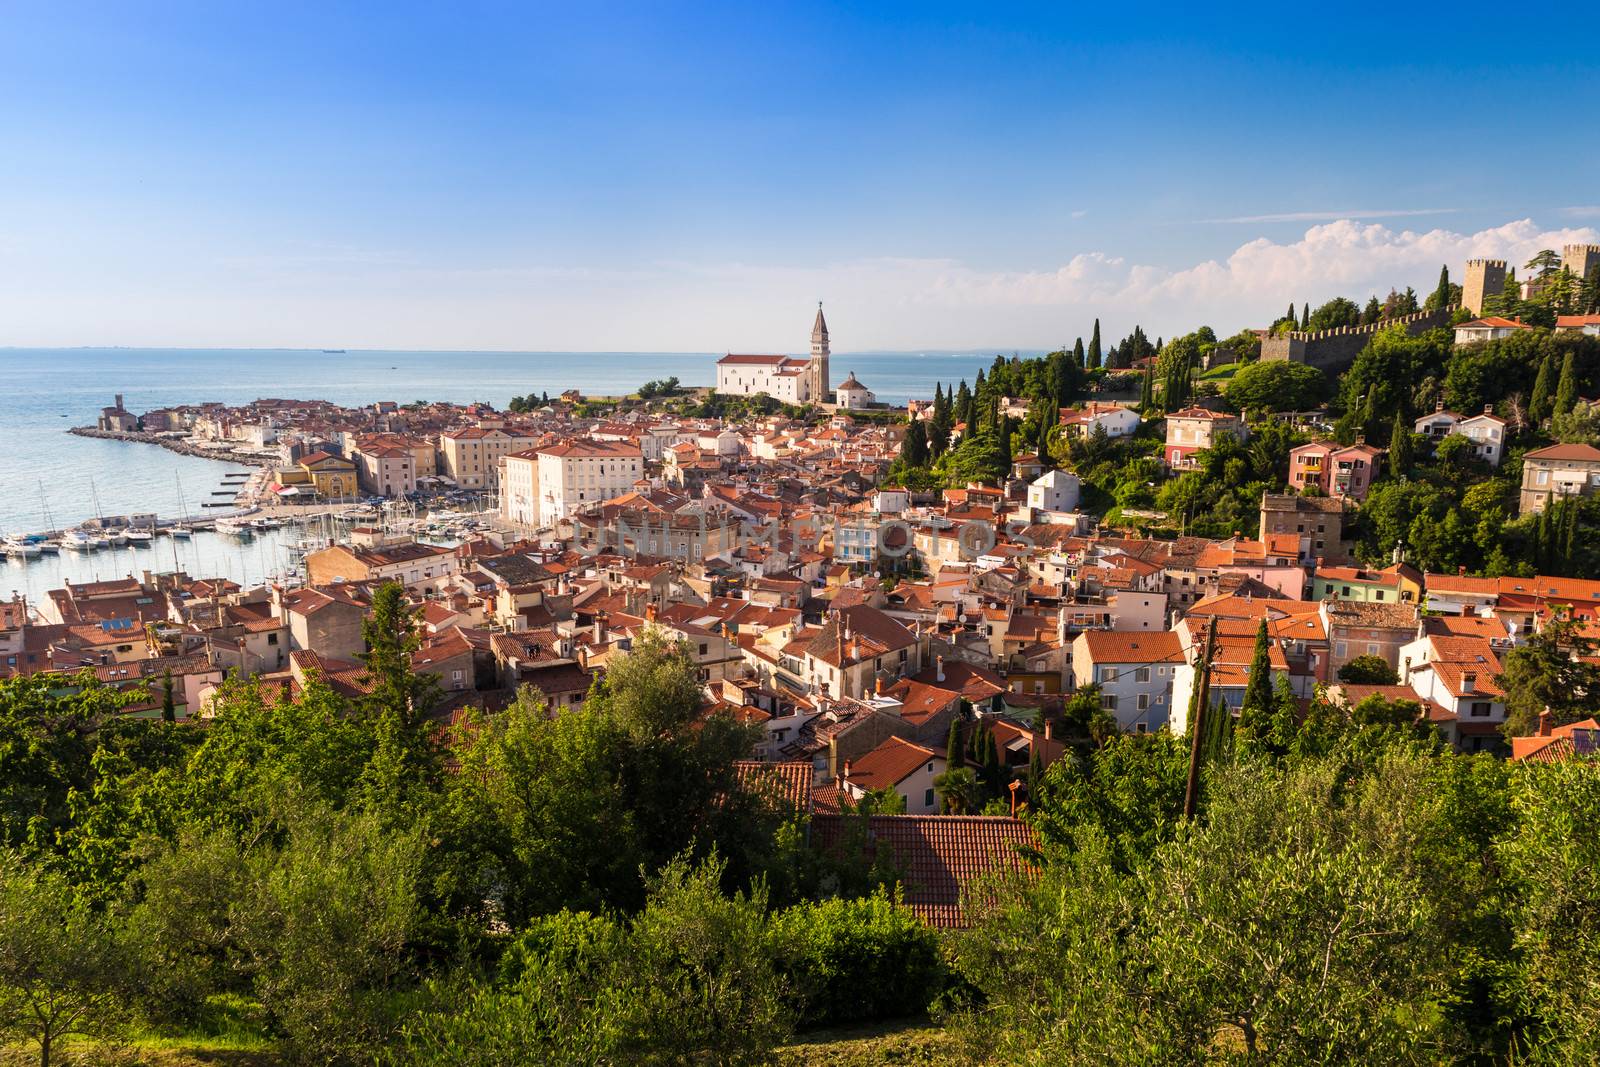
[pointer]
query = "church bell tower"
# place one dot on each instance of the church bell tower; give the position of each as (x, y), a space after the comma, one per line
(820, 385)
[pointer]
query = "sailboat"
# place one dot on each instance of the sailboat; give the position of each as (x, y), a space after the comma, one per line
(115, 537)
(48, 546)
(181, 529)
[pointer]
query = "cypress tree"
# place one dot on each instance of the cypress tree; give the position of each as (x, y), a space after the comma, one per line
(1305, 316)
(952, 747)
(1077, 353)
(1567, 387)
(1399, 447)
(993, 773)
(1541, 538)
(1291, 316)
(1569, 536)
(1441, 295)
(1094, 347)
(169, 705)
(914, 449)
(1539, 406)
(1257, 707)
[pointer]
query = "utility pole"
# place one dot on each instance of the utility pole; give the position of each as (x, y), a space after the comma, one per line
(1199, 711)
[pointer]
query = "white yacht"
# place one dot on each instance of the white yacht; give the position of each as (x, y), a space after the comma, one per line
(17, 548)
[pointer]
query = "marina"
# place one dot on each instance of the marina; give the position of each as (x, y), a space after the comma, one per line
(250, 549)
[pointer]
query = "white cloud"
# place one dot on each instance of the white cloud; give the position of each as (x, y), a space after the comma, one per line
(349, 298)
(1331, 216)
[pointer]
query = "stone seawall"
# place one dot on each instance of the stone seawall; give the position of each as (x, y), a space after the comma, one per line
(181, 447)
(1335, 350)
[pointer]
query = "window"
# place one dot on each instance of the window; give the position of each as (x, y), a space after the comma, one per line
(1141, 728)
(1340, 650)
(1144, 701)
(1108, 701)
(1108, 674)
(927, 799)
(1480, 709)
(1142, 674)
(702, 648)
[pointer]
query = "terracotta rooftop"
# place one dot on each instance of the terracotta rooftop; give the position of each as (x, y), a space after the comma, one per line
(939, 857)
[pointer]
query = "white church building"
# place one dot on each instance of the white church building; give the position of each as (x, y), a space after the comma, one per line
(785, 378)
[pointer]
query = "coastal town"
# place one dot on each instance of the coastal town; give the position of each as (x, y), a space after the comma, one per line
(871, 621)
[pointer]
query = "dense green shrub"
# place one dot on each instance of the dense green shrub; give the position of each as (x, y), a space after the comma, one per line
(857, 959)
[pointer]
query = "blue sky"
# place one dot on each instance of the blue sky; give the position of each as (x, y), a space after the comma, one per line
(691, 177)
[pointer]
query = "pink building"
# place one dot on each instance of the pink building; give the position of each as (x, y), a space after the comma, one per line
(1193, 429)
(1337, 471)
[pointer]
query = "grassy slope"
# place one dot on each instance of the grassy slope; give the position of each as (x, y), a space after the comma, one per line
(911, 1043)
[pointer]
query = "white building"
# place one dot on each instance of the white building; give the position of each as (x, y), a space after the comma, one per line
(1487, 431)
(1492, 328)
(786, 378)
(1054, 491)
(541, 486)
(909, 769)
(1134, 672)
(1117, 420)
(852, 394)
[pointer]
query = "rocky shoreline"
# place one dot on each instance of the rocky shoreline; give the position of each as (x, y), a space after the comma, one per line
(171, 445)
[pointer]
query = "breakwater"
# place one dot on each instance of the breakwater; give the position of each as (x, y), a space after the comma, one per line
(182, 447)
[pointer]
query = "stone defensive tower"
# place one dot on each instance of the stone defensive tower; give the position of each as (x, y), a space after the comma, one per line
(1580, 259)
(820, 387)
(1484, 278)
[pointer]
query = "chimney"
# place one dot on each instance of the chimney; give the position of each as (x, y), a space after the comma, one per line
(1488, 409)
(1438, 405)
(1469, 682)
(877, 686)
(1049, 729)
(1013, 787)
(1461, 571)
(650, 613)
(1544, 723)
(938, 670)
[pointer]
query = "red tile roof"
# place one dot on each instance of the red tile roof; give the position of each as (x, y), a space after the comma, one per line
(787, 784)
(889, 764)
(939, 857)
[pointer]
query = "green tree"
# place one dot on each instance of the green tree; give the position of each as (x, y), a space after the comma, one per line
(1092, 360)
(1318, 936)
(1539, 406)
(1335, 313)
(1544, 263)
(1257, 705)
(959, 791)
(914, 449)
(1442, 295)
(169, 706)
(1399, 447)
(1279, 385)
(1551, 670)
(1553, 863)
(323, 928)
(62, 966)
(1567, 387)
(1368, 670)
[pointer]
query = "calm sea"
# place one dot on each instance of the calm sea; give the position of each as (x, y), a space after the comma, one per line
(46, 472)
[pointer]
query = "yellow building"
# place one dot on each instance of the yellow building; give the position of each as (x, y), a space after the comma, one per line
(331, 476)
